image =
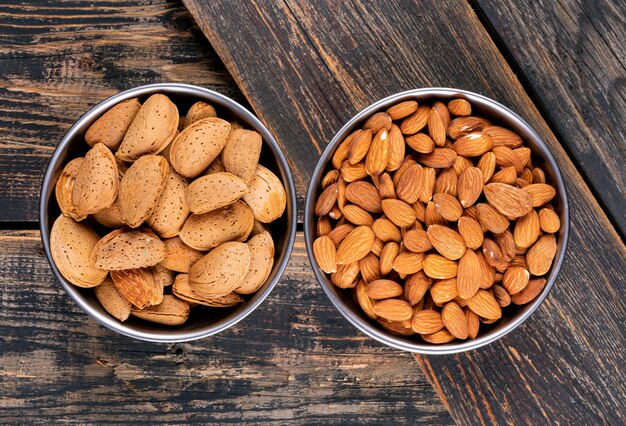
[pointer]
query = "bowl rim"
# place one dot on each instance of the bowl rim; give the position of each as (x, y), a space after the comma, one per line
(379, 334)
(201, 93)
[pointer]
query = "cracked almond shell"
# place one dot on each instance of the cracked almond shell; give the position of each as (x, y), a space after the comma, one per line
(96, 183)
(112, 300)
(65, 187)
(208, 230)
(261, 262)
(138, 286)
(241, 153)
(172, 209)
(171, 311)
(214, 191)
(198, 145)
(141, 188)
(266, 195)
(153, 128)
(111, 127)
(183, 290)
(128, 249)
(71, 244)
(221, 271)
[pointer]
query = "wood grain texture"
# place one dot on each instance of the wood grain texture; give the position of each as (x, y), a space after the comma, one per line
(292, 360)
(306, 67)
(573, 55)
(60, 58)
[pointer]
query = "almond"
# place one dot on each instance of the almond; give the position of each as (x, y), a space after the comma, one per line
(415, 287)
(506, 242)
(266, 195)
(447, 183)
(353, 172)
(440, 158)
(241, 153)
(417, 241)
(377, 122)
(448, 206)
(446, 241)
(369, 266)
(436, 127)
(198, 145)
(340, 233)
(492, 252)
(183, 290)
(179, 256)
(152, 129)
(172, 311)
(387, 256)
(341, 153)
(540, 193)
(141, 188)
(364, 195)
(383, 289)
(428, 184)
(454, 320)
(432, 216)
(360, 146)
(512, 202)
(221, 271)
(410, 185)
(539, 257)
(523, 155)
(324, 251)
(471, 231)
(323, 226)
(469, 275)
(172, 208)
(71, 244)
(393, 310)
(488, 272)
(426, 321)
(138, 286)
(470, 186)
(364, 301)
(421, 143)
(208, 230)
(397, 149)
(330, 178)
(399, 212)
(386, 187)
(443, 112)
(111, 127)
(112, 300)
(326, 200)
(439, 338)
(505, 157)
(96, 182)
(461, 126)
(402, 109)
(538, 175)
(473, 144)
(507, 175)
(408, 263)
(261, 262)
(378, 155)
(527, 229)
(502, 296)
(459, 107)
(487, 165)
(529, 293)
(485, 305)
(416, 121)
(438, 267)
(346, 275)
(65, 187)
(356, 245)
(208, 193)
(356, 215)
(128, 249)
(515, 279)
(443, 291)
(549, 221)
(473, 323)
(199, 111)
(491, 220)
(503, 137)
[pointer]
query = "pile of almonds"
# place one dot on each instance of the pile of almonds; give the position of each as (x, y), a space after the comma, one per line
(436, 219)
(187, 201)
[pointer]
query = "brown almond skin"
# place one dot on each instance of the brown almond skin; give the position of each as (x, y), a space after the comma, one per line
(325, 253)
(402, 109)
(141, 188)
(241, 153)
(446, 241)
(540, 256)
(356, 245)
(454, 319)
(217, 190)
(532, 290)
(111, 127)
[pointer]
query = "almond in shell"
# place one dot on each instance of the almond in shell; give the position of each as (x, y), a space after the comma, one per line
(141, 188)
(261, 262)
(199, 111)
(171, 311)
(111, 127)
(179, 256)
(241, 153)
(222, 270)
(138, 286)
(128, 249)
(96, 182)
(71, 244)
(172, 208)
(152, 129)
(208, 230)
(183, 290)
(65, 187)
(266, 195)
(214, 191)
(112, 300)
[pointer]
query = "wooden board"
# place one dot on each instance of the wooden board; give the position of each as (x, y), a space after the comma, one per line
(293, 360)
(60, 58)
(572, 55)
(306, 67)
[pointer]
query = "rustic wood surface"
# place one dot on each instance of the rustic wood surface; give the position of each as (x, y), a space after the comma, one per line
(307, 67)
(294, 359)
(572, 56)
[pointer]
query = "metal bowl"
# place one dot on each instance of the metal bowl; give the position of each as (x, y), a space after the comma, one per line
(513, 316)
(203, 321)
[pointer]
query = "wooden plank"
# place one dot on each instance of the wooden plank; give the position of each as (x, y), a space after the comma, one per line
(306, 67)
(60, 58)
(293, 360)
(573, 56)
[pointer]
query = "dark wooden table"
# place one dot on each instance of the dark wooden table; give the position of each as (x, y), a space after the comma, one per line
(305, 67)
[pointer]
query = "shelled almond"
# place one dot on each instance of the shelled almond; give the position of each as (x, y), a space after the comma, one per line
(185, 201)
(436, 220)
